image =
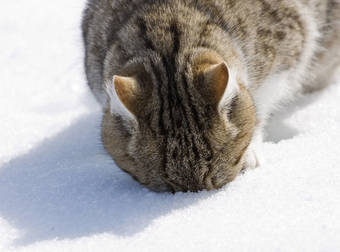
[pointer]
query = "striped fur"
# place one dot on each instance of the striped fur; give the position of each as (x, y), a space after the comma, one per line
(180, 137)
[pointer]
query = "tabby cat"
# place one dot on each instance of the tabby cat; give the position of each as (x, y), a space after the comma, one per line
(188, 85)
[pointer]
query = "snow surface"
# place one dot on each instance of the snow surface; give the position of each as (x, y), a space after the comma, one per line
(59, 190)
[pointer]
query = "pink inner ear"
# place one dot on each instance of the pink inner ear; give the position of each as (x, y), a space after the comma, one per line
(126, 89)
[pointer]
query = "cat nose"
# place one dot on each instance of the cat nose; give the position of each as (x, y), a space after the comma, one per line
(188, 185)
(185, 188)
(197, 186)
(194, 187)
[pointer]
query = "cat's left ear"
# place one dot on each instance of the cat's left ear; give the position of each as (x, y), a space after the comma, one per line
(220, 84)
(216, 78)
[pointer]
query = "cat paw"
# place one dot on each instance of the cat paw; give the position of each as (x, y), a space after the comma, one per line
(251, 160)
(253, 157)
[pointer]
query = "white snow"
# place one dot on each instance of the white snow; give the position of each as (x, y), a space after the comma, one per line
(60, 191)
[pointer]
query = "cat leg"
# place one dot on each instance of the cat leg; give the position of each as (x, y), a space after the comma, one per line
(266, 99)
(325, 70)
(327, 60)
(273, 91)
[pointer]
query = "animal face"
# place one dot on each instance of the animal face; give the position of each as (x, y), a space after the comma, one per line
(182, 128)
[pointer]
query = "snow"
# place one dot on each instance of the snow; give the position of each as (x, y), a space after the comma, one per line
(60, 191)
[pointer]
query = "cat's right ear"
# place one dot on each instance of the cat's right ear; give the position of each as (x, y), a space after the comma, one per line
(123, 93)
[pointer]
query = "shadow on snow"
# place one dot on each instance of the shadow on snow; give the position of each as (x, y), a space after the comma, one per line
(68, 187)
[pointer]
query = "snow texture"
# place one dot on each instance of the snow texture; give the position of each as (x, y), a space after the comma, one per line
(60, 191)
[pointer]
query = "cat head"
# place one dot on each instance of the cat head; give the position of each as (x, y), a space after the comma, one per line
(179, 124)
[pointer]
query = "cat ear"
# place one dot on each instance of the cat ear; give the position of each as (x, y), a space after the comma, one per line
(220, 84)
(216, 78)
(123, 94)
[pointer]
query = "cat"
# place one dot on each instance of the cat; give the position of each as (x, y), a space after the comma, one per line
(187, 86)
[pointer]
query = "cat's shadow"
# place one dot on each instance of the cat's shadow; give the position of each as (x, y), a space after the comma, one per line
(68, 187)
